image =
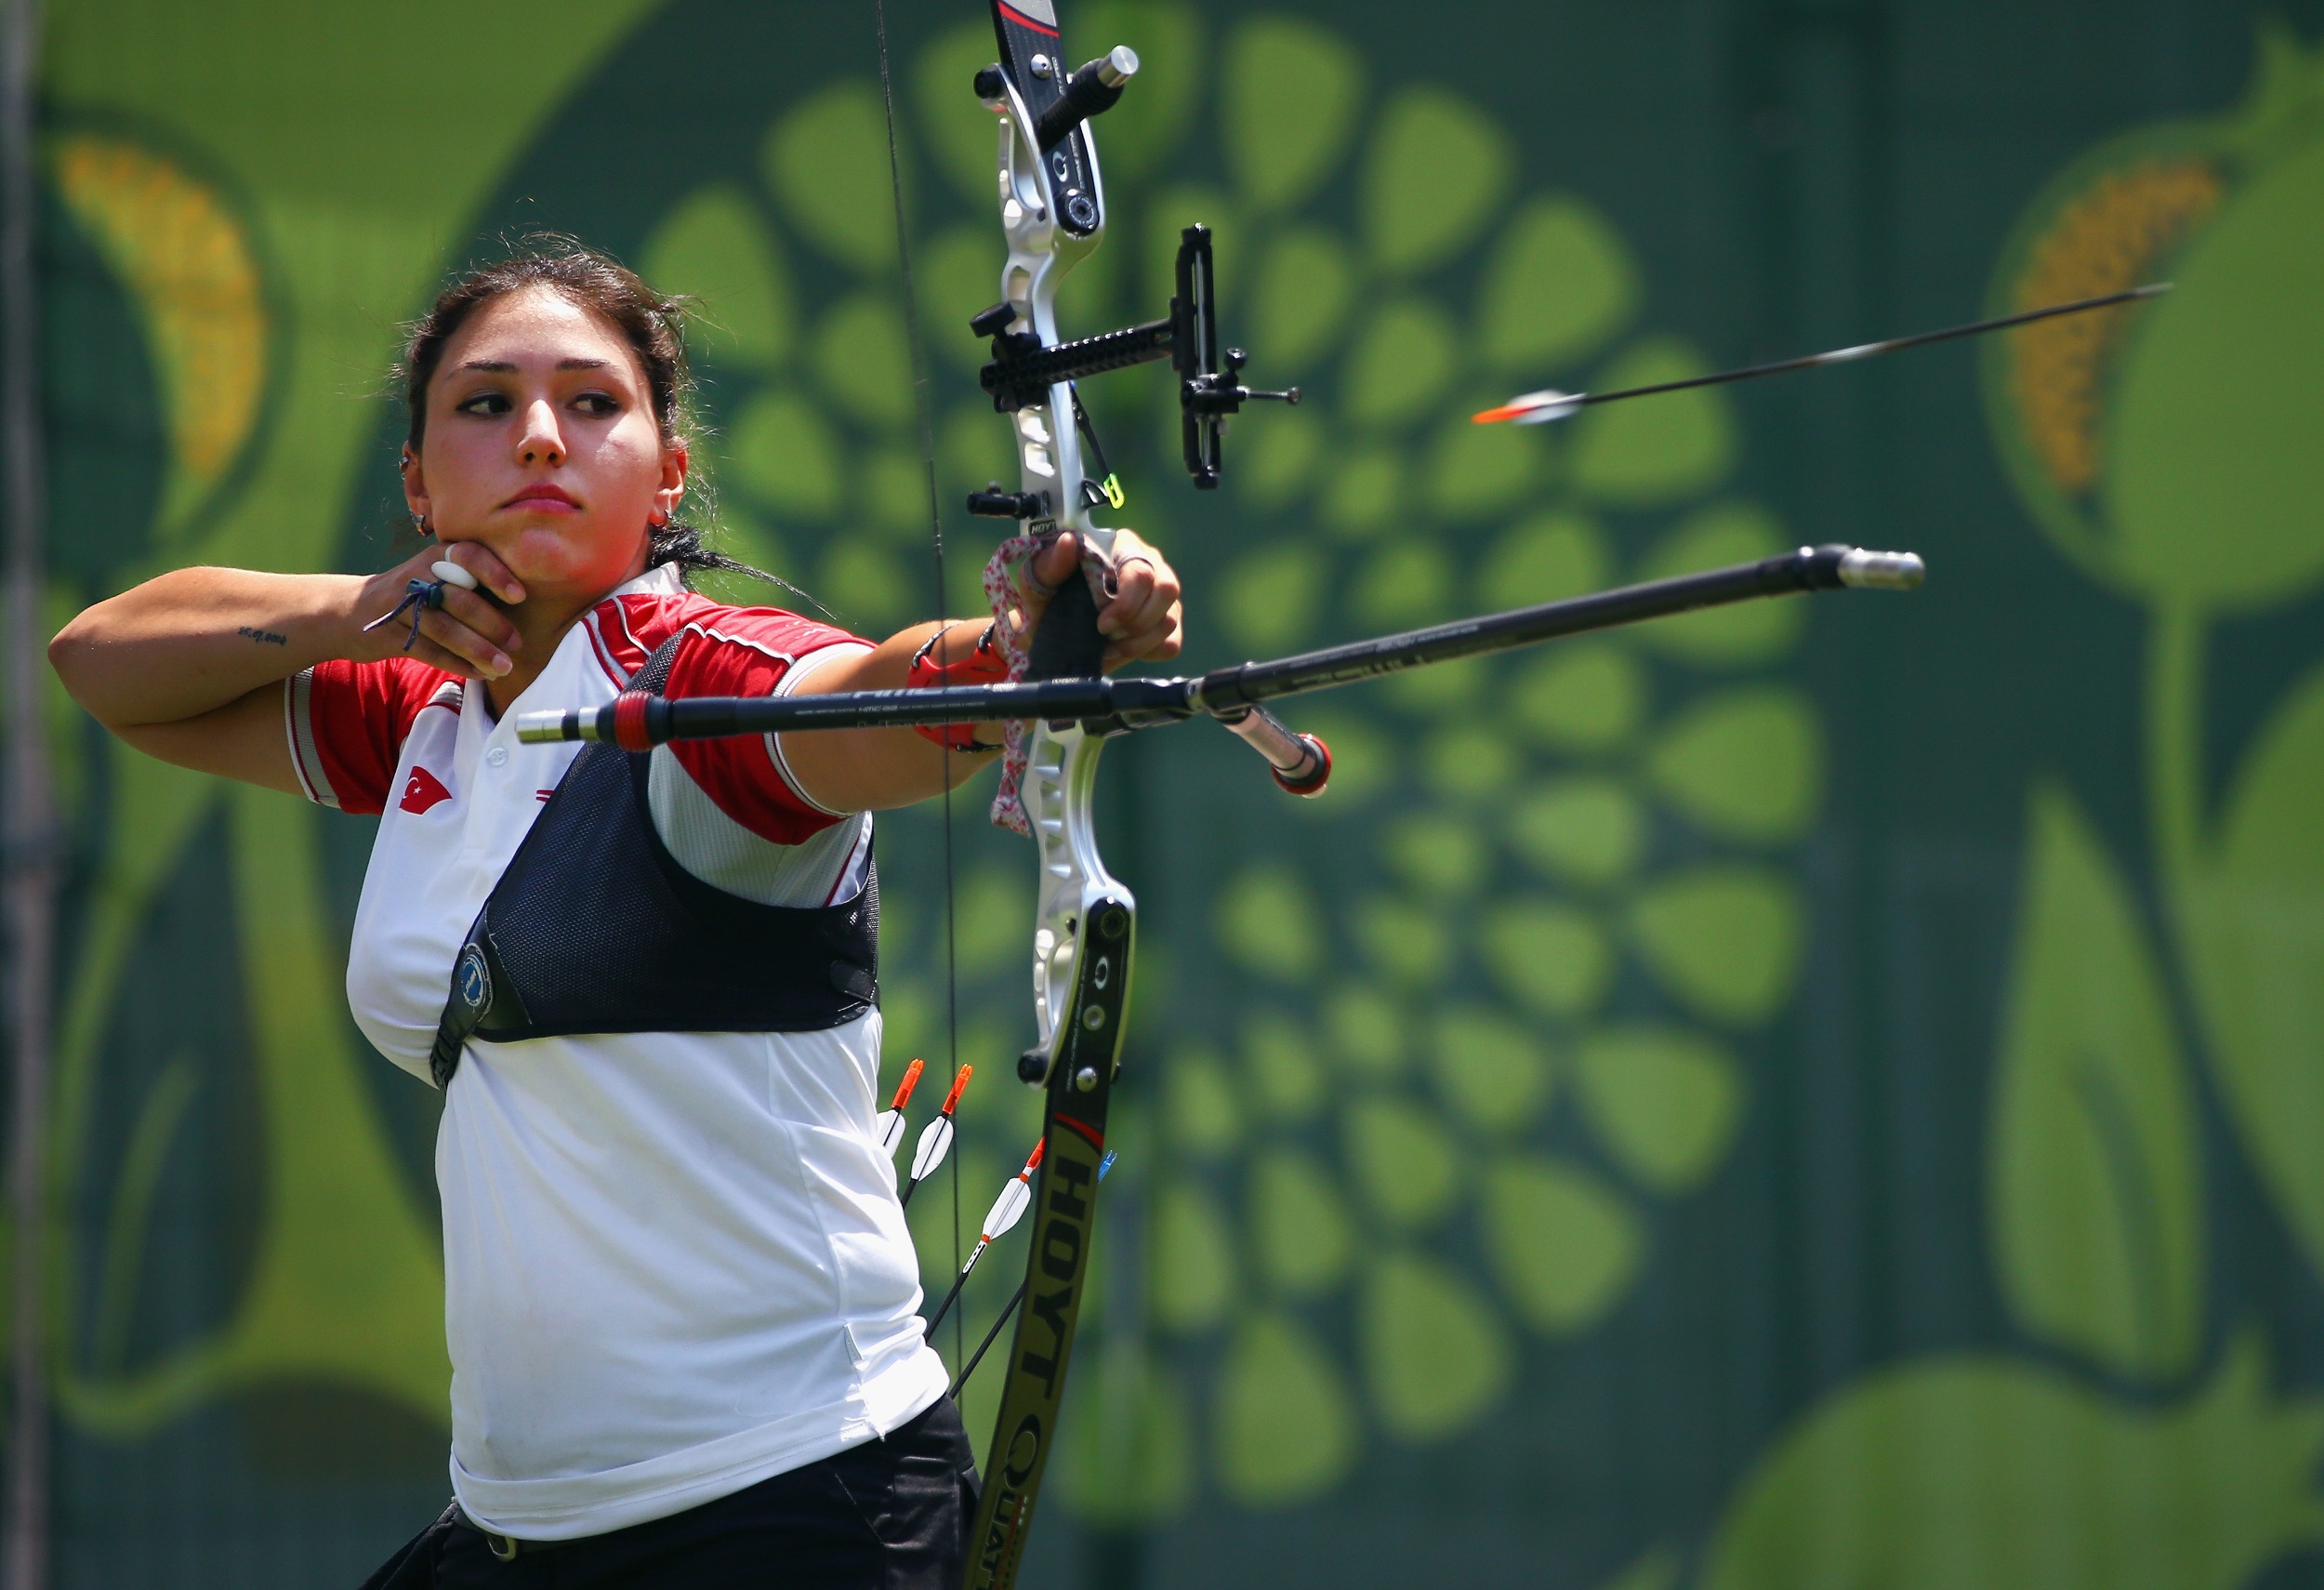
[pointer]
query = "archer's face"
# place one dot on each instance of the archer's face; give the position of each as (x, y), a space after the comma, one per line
(541, 443)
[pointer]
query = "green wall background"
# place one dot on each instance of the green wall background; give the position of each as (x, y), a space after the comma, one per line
(1823, 1096)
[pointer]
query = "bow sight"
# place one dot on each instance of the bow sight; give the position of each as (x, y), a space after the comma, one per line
(1050, 183)
(1023, 370)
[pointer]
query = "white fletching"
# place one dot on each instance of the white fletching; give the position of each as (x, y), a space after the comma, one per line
(1543, 407)
(935, 1142)
(1009, 1208)
(889, 1128)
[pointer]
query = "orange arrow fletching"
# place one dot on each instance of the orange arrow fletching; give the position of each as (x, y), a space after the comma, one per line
(1532, 408)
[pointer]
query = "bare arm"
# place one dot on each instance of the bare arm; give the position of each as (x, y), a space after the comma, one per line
(864, 770)
(189, 665)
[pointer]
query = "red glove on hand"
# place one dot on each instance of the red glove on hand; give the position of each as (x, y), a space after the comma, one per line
(983, 666)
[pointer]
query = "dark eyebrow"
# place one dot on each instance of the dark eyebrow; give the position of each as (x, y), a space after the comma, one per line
(503, 368)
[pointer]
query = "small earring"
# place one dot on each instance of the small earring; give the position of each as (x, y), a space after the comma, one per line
(419, 523)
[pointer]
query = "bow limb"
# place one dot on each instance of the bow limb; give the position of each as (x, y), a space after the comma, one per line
(1053, 213)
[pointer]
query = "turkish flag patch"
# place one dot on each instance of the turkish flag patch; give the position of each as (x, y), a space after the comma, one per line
(422, 791)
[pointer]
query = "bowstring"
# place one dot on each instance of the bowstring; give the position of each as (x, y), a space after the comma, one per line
(924, 404)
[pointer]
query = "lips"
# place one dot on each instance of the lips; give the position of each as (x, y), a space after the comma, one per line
(542, 496)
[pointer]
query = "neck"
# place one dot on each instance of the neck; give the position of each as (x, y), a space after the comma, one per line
(541, 622)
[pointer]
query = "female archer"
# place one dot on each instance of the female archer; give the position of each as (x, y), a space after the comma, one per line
(679, 1296)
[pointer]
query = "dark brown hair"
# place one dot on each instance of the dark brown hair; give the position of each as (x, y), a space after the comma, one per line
(653, 323)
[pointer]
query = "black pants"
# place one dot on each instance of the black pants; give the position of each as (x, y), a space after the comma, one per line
(889, 1514)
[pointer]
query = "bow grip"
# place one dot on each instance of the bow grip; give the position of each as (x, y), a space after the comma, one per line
(1068, 644)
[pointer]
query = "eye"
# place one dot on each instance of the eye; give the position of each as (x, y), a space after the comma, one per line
(484, 402)
(597, 404)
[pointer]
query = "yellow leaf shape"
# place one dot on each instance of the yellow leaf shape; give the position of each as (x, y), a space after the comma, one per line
(1126, 1448)
(1200, 1107)
(2096, 1180)
(1663, 1100)
(1543, 559)
(1406, 940)
(1193, 1255)
(715, 248)
(1437, 854)
(1401, 1158)
(1587, 697)
(191, 269)
(1366, 1031)
(1436, 1355)
(1275, 464)
(1406, 351)
(1404, 583)
(1493, 1072)
(866, 583)
(1586, 830)
(1436, 169)
(1667, 449)
(1287, 1077)
(1565, 1245)
(1466, 761)
(1745, 764)
(1473, 472)
(1299, 298)
(1725, 939)
(2255, 925)
(1560, 283)
(1268, 921)
(1302, 1240)
(1363, 495)
(862, 359)
(825, 162)
(1284, 1420)
(786, 458)
(1287, 103)
(1548, 955)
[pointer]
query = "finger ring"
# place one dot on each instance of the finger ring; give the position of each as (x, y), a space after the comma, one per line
(419, 596)
(1134, 558)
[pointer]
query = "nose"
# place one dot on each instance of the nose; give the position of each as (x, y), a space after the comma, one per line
(541, 442)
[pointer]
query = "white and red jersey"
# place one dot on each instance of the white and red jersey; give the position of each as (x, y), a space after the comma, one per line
(674, 1263)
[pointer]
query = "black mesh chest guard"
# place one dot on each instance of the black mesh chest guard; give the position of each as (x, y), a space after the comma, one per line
(595, 927)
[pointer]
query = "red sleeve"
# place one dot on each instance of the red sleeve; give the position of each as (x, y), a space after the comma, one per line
(748, 650)
(348, 722)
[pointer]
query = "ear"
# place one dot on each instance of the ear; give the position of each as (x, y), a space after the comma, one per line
(673, 482)
(415, 482)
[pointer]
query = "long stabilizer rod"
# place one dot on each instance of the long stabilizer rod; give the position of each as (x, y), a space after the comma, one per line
(636, 721)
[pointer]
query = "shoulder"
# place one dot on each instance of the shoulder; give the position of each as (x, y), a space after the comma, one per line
(347, 722)
(722, 650)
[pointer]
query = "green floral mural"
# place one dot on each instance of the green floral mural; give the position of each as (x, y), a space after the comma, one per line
(1460, 1099)
(1513, 840)
(2170, 455)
